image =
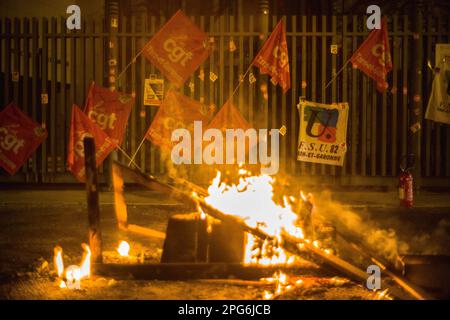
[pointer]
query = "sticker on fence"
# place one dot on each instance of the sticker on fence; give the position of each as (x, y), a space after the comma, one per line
(153, 91)
(323, 132)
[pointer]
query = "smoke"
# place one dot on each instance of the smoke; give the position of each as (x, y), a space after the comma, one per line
(434, 242)
(383, 243)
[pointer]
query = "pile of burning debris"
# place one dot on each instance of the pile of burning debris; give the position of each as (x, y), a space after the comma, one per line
(235, 230)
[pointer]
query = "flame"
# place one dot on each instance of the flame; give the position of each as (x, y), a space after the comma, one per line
(58, 261)
(85, 266)
(124, 248)
(73, 273)
(252, 200)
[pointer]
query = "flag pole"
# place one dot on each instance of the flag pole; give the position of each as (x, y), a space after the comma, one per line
(128, 157)
(136, 152)
(338, 73)
(129, 64)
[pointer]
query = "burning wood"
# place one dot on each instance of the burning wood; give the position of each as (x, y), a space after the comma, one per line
(72, 275)
(251, 208)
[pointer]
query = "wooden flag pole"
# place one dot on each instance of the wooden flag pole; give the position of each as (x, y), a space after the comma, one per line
(338, 73)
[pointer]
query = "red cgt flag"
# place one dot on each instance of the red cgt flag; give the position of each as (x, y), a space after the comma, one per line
(273, 58)
(229, 117)
(178, 48)
(373, 57)
(176, 111)
(19, 138)
(110, 110)
(81, 127)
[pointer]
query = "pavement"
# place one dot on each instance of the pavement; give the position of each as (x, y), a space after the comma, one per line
(352, 199)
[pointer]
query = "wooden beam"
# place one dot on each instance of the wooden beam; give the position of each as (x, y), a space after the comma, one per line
(296, 246)
(191, 271)
(95, 232)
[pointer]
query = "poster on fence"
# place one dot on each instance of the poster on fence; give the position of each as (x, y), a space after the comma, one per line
(323, 132)
(438, 108)
(153, 91)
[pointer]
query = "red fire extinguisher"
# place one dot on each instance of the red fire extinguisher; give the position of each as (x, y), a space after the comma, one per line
(406, 187)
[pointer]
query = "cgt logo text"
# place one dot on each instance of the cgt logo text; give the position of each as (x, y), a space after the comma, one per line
(104, 121)
(176, 53)
(9, 141)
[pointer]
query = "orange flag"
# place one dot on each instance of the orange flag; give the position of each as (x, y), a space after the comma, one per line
(273, 58)
(373, 57)
(176, 111)
(229, 117)
(81, 127)
(20, 136)
(110, 110)
(178, 48)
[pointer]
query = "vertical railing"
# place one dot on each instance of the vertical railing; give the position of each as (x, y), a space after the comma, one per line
(60, 63)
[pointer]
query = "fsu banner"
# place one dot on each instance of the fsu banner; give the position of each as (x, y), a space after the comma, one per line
(273, 58)
(178, 48)
(109, 110)
(19, 138)
(373, 57)
(438, 108)
(323, 133)
(81, 127)
(177, 111)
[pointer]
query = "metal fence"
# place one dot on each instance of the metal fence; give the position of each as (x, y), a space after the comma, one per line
(43, 57)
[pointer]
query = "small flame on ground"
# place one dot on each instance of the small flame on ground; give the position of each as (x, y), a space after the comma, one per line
(72, 273)
(58, 261)
(124, 248)
(85, 265)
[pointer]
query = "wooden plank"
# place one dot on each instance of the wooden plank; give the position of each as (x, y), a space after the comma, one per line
(153, 110)
(192, 271)
(93, 206)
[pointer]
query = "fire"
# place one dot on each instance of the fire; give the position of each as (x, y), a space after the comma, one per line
(58, 261)
(252, 200)
(73, 274)
(85, 266)
(124, 248)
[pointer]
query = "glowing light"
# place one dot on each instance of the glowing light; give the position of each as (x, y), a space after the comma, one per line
(123, 249)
